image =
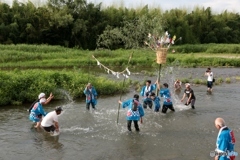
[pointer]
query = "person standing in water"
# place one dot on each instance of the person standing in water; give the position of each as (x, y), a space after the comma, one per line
(135, 112)
(167, 100)
(209, 75)
(188, 92)
(156, 101)
(91, 96)
(145, 93)
(225, 141)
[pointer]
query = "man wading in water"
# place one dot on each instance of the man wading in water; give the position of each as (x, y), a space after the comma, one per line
(135, 112)
(91, 96)
(210, 79)
(145, 93)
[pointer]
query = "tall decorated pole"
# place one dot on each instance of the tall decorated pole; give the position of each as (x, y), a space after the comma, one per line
(160, 46)
(161, 54)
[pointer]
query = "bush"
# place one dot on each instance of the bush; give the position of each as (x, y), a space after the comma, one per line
(23, 86)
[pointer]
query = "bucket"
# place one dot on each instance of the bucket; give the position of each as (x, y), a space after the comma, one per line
(161, 55)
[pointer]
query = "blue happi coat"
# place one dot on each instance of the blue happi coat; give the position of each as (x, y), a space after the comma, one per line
(165, 93)
(157, 104)
(36, 112)
(133, 115)
(91, 95)
(144, 93)
(225, 143)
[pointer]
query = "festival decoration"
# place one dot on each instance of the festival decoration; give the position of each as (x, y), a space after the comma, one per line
(160, 45)
(125, 73)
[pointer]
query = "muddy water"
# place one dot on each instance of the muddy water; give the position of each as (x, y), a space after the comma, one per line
(184, 135)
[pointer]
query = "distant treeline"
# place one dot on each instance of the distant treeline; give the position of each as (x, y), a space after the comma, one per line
(77, 23)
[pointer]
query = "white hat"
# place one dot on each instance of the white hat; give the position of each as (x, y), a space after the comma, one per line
(41, 95)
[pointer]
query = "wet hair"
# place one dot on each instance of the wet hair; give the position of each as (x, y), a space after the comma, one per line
(209, 68)
(136, 96)
(149, 81)
(165, 85)
(153, 94)
(58, 108)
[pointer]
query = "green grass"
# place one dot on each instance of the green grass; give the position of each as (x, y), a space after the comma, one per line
(44, 56)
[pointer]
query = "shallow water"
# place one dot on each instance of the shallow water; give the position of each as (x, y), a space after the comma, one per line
(184, 135)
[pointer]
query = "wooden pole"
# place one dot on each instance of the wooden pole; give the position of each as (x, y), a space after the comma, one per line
(123, 87)
(158, 80)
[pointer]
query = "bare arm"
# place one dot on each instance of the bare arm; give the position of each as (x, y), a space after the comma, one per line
(49, 99)
(57, 126)
(190, 96)
(119, 101)
(184, 95)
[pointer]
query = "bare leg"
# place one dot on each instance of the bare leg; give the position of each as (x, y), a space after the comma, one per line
(38, 124)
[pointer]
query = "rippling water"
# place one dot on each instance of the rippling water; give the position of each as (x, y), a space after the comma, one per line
(184, 135)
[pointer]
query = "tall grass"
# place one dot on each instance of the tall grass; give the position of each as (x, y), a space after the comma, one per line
(23, 86)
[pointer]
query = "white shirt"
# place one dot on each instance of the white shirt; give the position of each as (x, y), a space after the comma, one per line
(49, 119)
(210, 76)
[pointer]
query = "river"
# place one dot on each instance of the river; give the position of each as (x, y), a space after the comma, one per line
(186, 134)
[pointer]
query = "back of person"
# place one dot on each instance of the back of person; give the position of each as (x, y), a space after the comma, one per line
(36, 109)
(165, 93)
(49, 119)
(135, 112)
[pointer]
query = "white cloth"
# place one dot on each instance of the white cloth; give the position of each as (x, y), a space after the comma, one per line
(210, 76)
(218, 138)
(49, 119)
(147, 90)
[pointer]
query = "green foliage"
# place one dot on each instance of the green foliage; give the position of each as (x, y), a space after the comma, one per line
(228, 80)
(23, 86)
(237, 78)
(89, 26)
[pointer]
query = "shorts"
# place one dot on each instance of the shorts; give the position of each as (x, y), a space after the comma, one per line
(49, 129)
(209, 84)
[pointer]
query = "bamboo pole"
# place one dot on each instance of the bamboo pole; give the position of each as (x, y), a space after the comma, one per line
(123, 87)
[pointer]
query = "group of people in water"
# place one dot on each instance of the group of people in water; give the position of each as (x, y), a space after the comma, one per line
(151, 95)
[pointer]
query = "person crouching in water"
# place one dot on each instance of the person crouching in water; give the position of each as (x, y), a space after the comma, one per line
(188, 92)
(167, 100)
(37, 112)
(135, 112)
(156, 101)
(50, 121)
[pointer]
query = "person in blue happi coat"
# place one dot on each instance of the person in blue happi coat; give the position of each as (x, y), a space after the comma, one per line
(167, 100)
(145, 93)
(91, 96)
(135, 111)
(156, 101)
(225, 141)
